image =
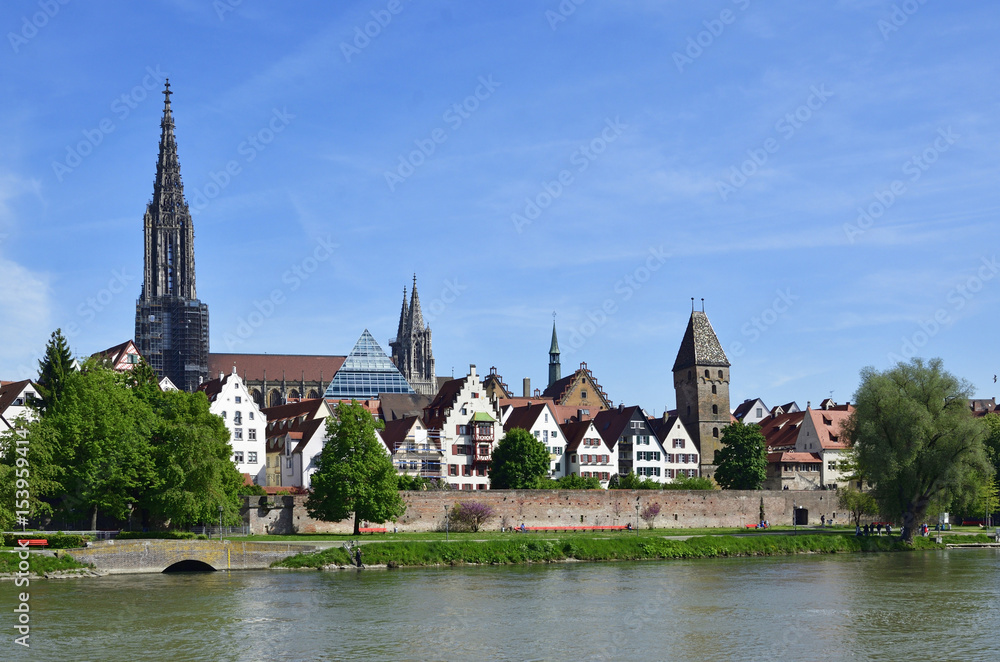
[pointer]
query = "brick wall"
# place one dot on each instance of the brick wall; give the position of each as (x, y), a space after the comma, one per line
(678, 509)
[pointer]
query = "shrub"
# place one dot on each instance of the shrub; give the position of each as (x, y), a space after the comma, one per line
(472, 515)
(649, 513)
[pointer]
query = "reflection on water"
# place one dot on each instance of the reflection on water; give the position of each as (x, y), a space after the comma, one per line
(891, 607)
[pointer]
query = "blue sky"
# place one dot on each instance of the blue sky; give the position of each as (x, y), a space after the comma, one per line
(823, 174)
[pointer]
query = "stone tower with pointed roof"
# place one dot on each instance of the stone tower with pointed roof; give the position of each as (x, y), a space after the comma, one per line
(555, 370)
(701, 383)
(411, 348)
(171, 324)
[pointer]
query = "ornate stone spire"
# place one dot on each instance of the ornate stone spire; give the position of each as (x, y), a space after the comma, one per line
(416, 320)
(169, 232)
(401, 331)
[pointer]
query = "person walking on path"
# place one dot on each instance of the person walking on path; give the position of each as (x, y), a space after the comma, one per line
(822, 520)
(878, 528)
(357, 558)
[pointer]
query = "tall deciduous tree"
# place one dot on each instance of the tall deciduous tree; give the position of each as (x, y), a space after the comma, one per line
(355, 475)
(53, 368)
(519, 462)
(916, 440)
(103, 431)
(742, 460)
(193, 469)
(992, 423)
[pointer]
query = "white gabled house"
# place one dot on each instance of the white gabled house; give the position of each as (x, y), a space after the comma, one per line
(296, 433)
(16, 399)
(540, 421)
(413, 452)
(681, 454)
(588, 454)
(639, 450)
(229, 398)
(466, 423)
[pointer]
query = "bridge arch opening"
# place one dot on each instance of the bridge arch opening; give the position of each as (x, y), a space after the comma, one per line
(189, 565)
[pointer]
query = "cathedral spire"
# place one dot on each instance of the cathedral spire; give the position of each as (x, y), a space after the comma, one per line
(416, 319)
(171, 324)
(401, 331)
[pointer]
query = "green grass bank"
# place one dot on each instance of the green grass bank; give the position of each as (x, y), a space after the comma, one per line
(39, 564)
(527, 550)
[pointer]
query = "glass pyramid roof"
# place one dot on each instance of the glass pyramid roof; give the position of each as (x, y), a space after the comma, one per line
(366, 372)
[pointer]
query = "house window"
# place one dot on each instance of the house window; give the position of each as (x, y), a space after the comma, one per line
(252, 457)
(678, 443)
(289, 463)
(465, 412)
(831, 466)
(475, 395)
(238, 399)
(237, 418)
(250, 415)
(706, 374)
(558, 467)
(546, 418)
(238, 434)
(559, 450)
(252, 434)
(223, 415)
(238, 457)
(466, 470)
(714, 389)
(452, 469)
(554, 434)
(583, 394)
(760, 412)
(545, 436)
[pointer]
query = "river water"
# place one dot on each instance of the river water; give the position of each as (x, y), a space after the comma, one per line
(927, 606)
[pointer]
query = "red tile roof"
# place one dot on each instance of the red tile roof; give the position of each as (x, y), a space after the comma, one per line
(294, 367)
(801, 458)
(782, 431)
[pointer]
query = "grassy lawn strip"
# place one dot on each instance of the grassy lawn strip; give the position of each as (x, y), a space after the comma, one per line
(526, 550)
(39, 564)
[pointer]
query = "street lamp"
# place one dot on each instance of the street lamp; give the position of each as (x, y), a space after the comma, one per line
(795, 518)
(220, 523)
(447, 522)
(637, 516)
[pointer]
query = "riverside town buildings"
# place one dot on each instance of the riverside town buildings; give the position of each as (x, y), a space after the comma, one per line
(276, 406)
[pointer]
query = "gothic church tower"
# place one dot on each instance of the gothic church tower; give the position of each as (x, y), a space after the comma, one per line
(701, 382)
(411, 349)
(171, 324)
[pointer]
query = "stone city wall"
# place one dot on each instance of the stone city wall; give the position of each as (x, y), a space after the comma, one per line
(425, 511)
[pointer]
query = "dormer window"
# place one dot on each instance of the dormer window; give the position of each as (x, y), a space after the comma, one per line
(238, 399)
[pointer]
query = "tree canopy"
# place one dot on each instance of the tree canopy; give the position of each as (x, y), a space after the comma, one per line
(742, 460)
(916, 441)
(112, 443)
(519, 462)
(355, 475)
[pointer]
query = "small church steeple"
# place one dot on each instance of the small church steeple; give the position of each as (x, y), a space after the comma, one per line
(555, 370)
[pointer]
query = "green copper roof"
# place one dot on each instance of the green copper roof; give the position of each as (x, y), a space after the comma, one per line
(482, 416)
(554, 349)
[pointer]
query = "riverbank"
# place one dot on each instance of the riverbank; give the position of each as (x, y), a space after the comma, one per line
(526, 550)
(47, 566)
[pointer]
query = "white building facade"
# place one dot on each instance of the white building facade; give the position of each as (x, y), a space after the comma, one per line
(230, 400)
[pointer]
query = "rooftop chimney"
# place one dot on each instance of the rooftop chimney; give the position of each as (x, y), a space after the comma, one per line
(527, 387)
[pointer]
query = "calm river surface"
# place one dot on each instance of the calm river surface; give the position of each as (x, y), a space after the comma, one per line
(942, 605)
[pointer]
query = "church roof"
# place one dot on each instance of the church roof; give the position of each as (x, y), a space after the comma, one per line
(366, 372)
(275, 367)
(554, 348)
(700, 346)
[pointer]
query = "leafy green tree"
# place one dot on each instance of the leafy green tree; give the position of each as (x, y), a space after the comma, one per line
(916, 440)
(742, 460)
(519, 462)
(631, 481)
(103, 433)
(355, 475)
(992, 441)
(684, 482)
(53, 368)
(27, 453)
(412, 483)
(193, 469)
(859, 504)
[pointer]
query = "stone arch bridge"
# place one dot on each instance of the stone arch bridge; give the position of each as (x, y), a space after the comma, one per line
(140, 556)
